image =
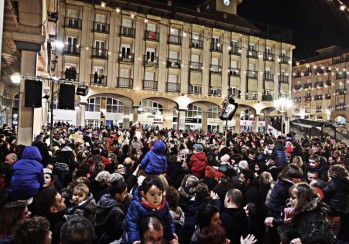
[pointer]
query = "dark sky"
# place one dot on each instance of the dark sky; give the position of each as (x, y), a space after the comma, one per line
(315, 23)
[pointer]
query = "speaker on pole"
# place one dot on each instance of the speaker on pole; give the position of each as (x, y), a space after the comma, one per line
(32, 93)
(66, 97)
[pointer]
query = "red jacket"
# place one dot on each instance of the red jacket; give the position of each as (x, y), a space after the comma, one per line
(197, 164)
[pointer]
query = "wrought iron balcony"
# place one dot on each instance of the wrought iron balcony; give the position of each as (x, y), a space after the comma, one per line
(319, 84)
(268, 57)
(267, 98)
(283, 79)
(267, 76)
(194, 89)
(71, 50)
(234, 72)
(98, 80)
(215, 92)
(251, 74)
(307, 85)
(235, 50)
(177, 40)
(72, 23)
(341, 91)
(328, 96)
(126, 57)
(173, 63)
(216, 47)
(297, 87)
(215, 69)
(100, 53)
(318, 97)
(124, 82)
(151, 61)
(307, 73)
(307, 98)
(342, 75)
(152, 36)
(284, 59)
(67, 76)
(173, 87)
(150, 85)
(297, 75)
(127, 31)
(340, 107)
(194, 43)
(195, 66)
(101, 27)
(328, 83)
(252, 54)
(297, 99)
(251, 96)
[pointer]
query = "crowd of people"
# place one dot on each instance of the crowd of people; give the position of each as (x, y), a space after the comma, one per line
(117, 185)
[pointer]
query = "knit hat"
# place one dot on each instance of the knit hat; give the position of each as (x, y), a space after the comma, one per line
(47, 171)
(103, 176)
(192, 181)
(198, 147)
(116, 177)
(225, 158)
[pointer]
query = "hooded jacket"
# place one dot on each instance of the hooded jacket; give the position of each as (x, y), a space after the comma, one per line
(137, 211)
(109, 219)
(197, 164)
(155, 161)
(27, 175)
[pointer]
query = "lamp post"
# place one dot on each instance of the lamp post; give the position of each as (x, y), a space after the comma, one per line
(282, 104)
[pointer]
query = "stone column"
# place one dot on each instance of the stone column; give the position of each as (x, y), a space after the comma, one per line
(82, 115)
(126, 120)
(167, 116)
(181, 120)
(237, 123)
(135, 114)
(204, 121)
(256, 120)
(287, 125)
(26, 114)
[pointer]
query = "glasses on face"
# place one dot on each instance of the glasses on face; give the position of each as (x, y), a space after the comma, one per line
(152, 239)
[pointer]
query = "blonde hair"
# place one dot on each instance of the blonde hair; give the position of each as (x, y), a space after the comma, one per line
(298, 161)
(265, 178)
(82, 187)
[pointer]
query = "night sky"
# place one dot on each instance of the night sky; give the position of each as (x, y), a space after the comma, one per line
(315, 24)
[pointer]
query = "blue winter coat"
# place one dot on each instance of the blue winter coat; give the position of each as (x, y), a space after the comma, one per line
(137, 211)
(155, 161)
(278, 197)
(27, 175)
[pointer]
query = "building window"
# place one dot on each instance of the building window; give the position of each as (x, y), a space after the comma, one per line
(15, 102)
(111, 105)
(213, 112)
(194, 111)
(150, 106)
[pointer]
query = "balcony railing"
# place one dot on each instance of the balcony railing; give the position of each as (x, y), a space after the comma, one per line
(124, 82)
(71, 50)
(341, 76)
(72, 23)
(297, 75)
(150, 85)
(252, 54)
(127, 31)
(195, 66)
(340, 107)
(328, 96)
(307, 85)
(173, 63)
(319, 71)
(268, 57)
(151, 61)
(267, 98)
(215, 69)
(318, 110)
(340, 91)
(318, 97)
(284, 59)
(173, 87)
(297, 87)
(319, 84)
(126, 57)
(307, 98)
(195, 89)
(307, 73)
(98, 80)
(152, 36)
(177, 40)
(215, 92)
(297, 99)
(235, 50)
(251, 74)
(283, 79)
(251, 96)
(66, 76)
(328, 83)
(194, 43)
(268, 76)
(101, 27)
(216, 47)
(99, 53)
(234, 72)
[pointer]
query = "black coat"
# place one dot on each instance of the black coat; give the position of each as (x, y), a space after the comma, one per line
(336, 194)
(278, 197)
(234, 221)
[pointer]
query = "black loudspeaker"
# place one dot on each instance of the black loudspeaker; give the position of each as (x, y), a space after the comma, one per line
(32, 93)
(66, 97)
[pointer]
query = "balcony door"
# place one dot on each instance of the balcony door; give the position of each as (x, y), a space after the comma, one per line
(72, 44)
(150, 54)
(125, 50)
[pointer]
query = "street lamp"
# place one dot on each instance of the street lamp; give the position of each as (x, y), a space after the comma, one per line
(282, 104)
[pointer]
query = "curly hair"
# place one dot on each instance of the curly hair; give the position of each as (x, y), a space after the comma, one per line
(33, 230)
(338, 171)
